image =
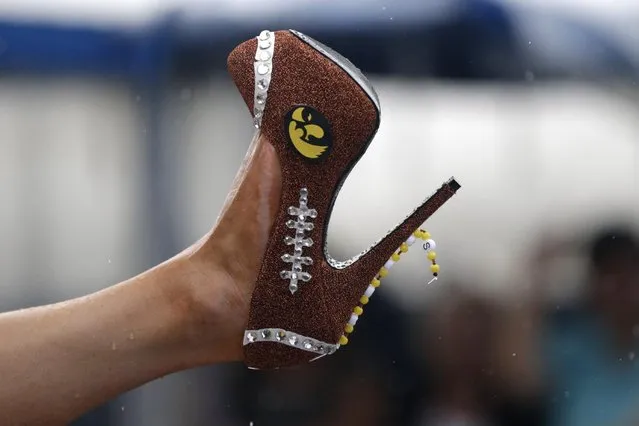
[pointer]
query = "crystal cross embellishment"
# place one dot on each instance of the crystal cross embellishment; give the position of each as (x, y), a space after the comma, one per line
(301, 224)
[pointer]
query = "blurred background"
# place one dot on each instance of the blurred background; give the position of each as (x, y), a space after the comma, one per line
(120, 134)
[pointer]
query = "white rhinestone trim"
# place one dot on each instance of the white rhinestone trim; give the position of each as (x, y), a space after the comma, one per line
(263, 69)
(288, 338)
(301, 213)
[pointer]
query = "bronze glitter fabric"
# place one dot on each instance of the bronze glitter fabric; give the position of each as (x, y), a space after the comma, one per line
(321, 307)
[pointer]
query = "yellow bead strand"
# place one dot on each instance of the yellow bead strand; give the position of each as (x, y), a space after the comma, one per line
(383, 272)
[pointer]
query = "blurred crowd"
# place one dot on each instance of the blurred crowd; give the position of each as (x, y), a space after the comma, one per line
(471, 361)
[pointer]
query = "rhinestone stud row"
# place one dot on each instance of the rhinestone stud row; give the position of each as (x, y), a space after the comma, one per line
(263, 68)
(301, 226)
(289, 338)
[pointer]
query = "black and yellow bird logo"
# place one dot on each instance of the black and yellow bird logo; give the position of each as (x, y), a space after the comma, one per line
(309, 132)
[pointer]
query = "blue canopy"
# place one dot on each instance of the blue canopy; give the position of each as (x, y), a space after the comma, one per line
(477, 39)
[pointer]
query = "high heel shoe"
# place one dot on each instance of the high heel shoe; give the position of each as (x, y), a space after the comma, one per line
(320, 114)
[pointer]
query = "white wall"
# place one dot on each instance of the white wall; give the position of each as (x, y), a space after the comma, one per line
(527, 159)
(69, 163)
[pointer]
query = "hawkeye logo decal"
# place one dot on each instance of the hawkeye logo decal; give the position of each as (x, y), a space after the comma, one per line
(309, 132)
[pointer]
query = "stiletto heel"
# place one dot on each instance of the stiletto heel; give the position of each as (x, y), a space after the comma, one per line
(320, 114)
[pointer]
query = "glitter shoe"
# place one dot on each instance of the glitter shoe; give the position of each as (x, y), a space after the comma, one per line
(320, 114)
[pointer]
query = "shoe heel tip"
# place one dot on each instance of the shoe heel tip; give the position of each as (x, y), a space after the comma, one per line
(453, 184)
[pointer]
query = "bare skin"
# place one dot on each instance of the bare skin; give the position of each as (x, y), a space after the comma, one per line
(59, 361)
